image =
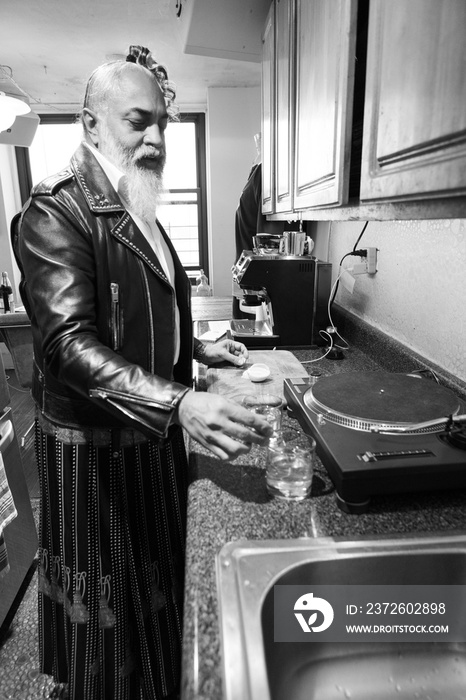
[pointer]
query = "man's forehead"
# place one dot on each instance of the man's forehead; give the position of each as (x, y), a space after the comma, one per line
(139, 89)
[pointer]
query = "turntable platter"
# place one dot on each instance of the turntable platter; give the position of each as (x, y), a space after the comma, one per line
(362, 400)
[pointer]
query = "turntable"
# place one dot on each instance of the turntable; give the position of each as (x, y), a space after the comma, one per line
(382, 433)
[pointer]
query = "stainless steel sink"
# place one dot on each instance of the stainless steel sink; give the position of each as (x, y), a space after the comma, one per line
(257, 668)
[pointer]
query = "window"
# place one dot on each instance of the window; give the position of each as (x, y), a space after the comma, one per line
(183, 212)
(56, 139)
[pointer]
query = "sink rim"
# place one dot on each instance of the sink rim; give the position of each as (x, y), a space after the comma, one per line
(244, 671)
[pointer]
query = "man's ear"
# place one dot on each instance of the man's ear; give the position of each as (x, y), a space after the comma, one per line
(90, 120)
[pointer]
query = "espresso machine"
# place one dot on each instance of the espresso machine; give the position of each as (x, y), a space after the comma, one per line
(283, 299)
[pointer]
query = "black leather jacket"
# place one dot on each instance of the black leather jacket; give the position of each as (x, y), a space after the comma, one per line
(101, 308)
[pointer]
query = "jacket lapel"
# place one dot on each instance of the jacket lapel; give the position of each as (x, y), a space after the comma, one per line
(128, 233)
(102, 198)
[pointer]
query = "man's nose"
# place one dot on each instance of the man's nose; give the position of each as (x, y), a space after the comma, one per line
(153, 136)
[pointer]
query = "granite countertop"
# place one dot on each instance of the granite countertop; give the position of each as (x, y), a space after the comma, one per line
(229, 501)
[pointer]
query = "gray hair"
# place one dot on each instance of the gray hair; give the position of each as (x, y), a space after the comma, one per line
(108, 77)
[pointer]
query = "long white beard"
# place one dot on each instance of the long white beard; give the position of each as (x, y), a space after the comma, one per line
(142, 188)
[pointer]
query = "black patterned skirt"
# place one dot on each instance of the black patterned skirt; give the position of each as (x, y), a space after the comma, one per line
(112, 539)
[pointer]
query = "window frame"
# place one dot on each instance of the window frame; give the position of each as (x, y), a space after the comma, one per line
(198, 118)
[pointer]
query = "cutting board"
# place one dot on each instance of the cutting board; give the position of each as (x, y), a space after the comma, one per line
(229, 381)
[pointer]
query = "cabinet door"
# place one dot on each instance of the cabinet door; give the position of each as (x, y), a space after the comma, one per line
(284, 81)
(325, 50)
(414, 142)
(268, 112)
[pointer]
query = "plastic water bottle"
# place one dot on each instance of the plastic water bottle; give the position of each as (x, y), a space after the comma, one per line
(203, 288)
(7, 294)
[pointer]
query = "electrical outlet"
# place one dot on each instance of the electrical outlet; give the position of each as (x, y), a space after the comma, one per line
(371, 261)
(358, 268)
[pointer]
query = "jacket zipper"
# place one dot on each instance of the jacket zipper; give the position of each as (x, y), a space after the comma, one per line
(149, 318)
(114, 396)
(115, 314)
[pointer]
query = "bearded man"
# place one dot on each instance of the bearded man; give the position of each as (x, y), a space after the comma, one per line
(109, 304)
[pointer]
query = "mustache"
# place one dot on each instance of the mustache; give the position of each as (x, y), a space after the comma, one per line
(148, 152)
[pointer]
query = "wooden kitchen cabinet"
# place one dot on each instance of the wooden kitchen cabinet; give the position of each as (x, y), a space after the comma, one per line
(307, 100)
(364, 109)
(268, 114)
(284, 90)
(414, 143)
(325, 59)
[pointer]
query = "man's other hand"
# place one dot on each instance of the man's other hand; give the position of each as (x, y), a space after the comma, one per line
(225, 351)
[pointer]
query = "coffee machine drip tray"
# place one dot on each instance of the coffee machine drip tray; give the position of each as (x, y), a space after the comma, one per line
(253, 333)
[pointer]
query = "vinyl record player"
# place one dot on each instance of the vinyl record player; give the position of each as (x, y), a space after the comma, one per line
(381, 433)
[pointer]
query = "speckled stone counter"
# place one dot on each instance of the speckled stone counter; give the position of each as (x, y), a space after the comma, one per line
(229, 501)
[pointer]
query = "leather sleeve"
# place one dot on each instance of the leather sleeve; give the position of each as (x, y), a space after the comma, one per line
(55, 248)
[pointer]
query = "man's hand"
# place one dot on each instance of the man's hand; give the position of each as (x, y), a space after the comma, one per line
(225, 351)
(224, 427)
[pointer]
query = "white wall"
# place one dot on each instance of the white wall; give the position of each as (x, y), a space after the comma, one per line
(10, 204)
(418, 295)
(233, 117)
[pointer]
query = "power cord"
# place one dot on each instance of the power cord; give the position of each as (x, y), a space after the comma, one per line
(331, 329)
(330, 333)
(359, 253)
(329, 349)
(332, 325)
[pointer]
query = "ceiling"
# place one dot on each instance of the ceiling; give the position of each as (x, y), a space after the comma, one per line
(52, 46)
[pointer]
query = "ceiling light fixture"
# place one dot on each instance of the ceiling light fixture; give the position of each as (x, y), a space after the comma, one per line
(10, 108)
(12, 104)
